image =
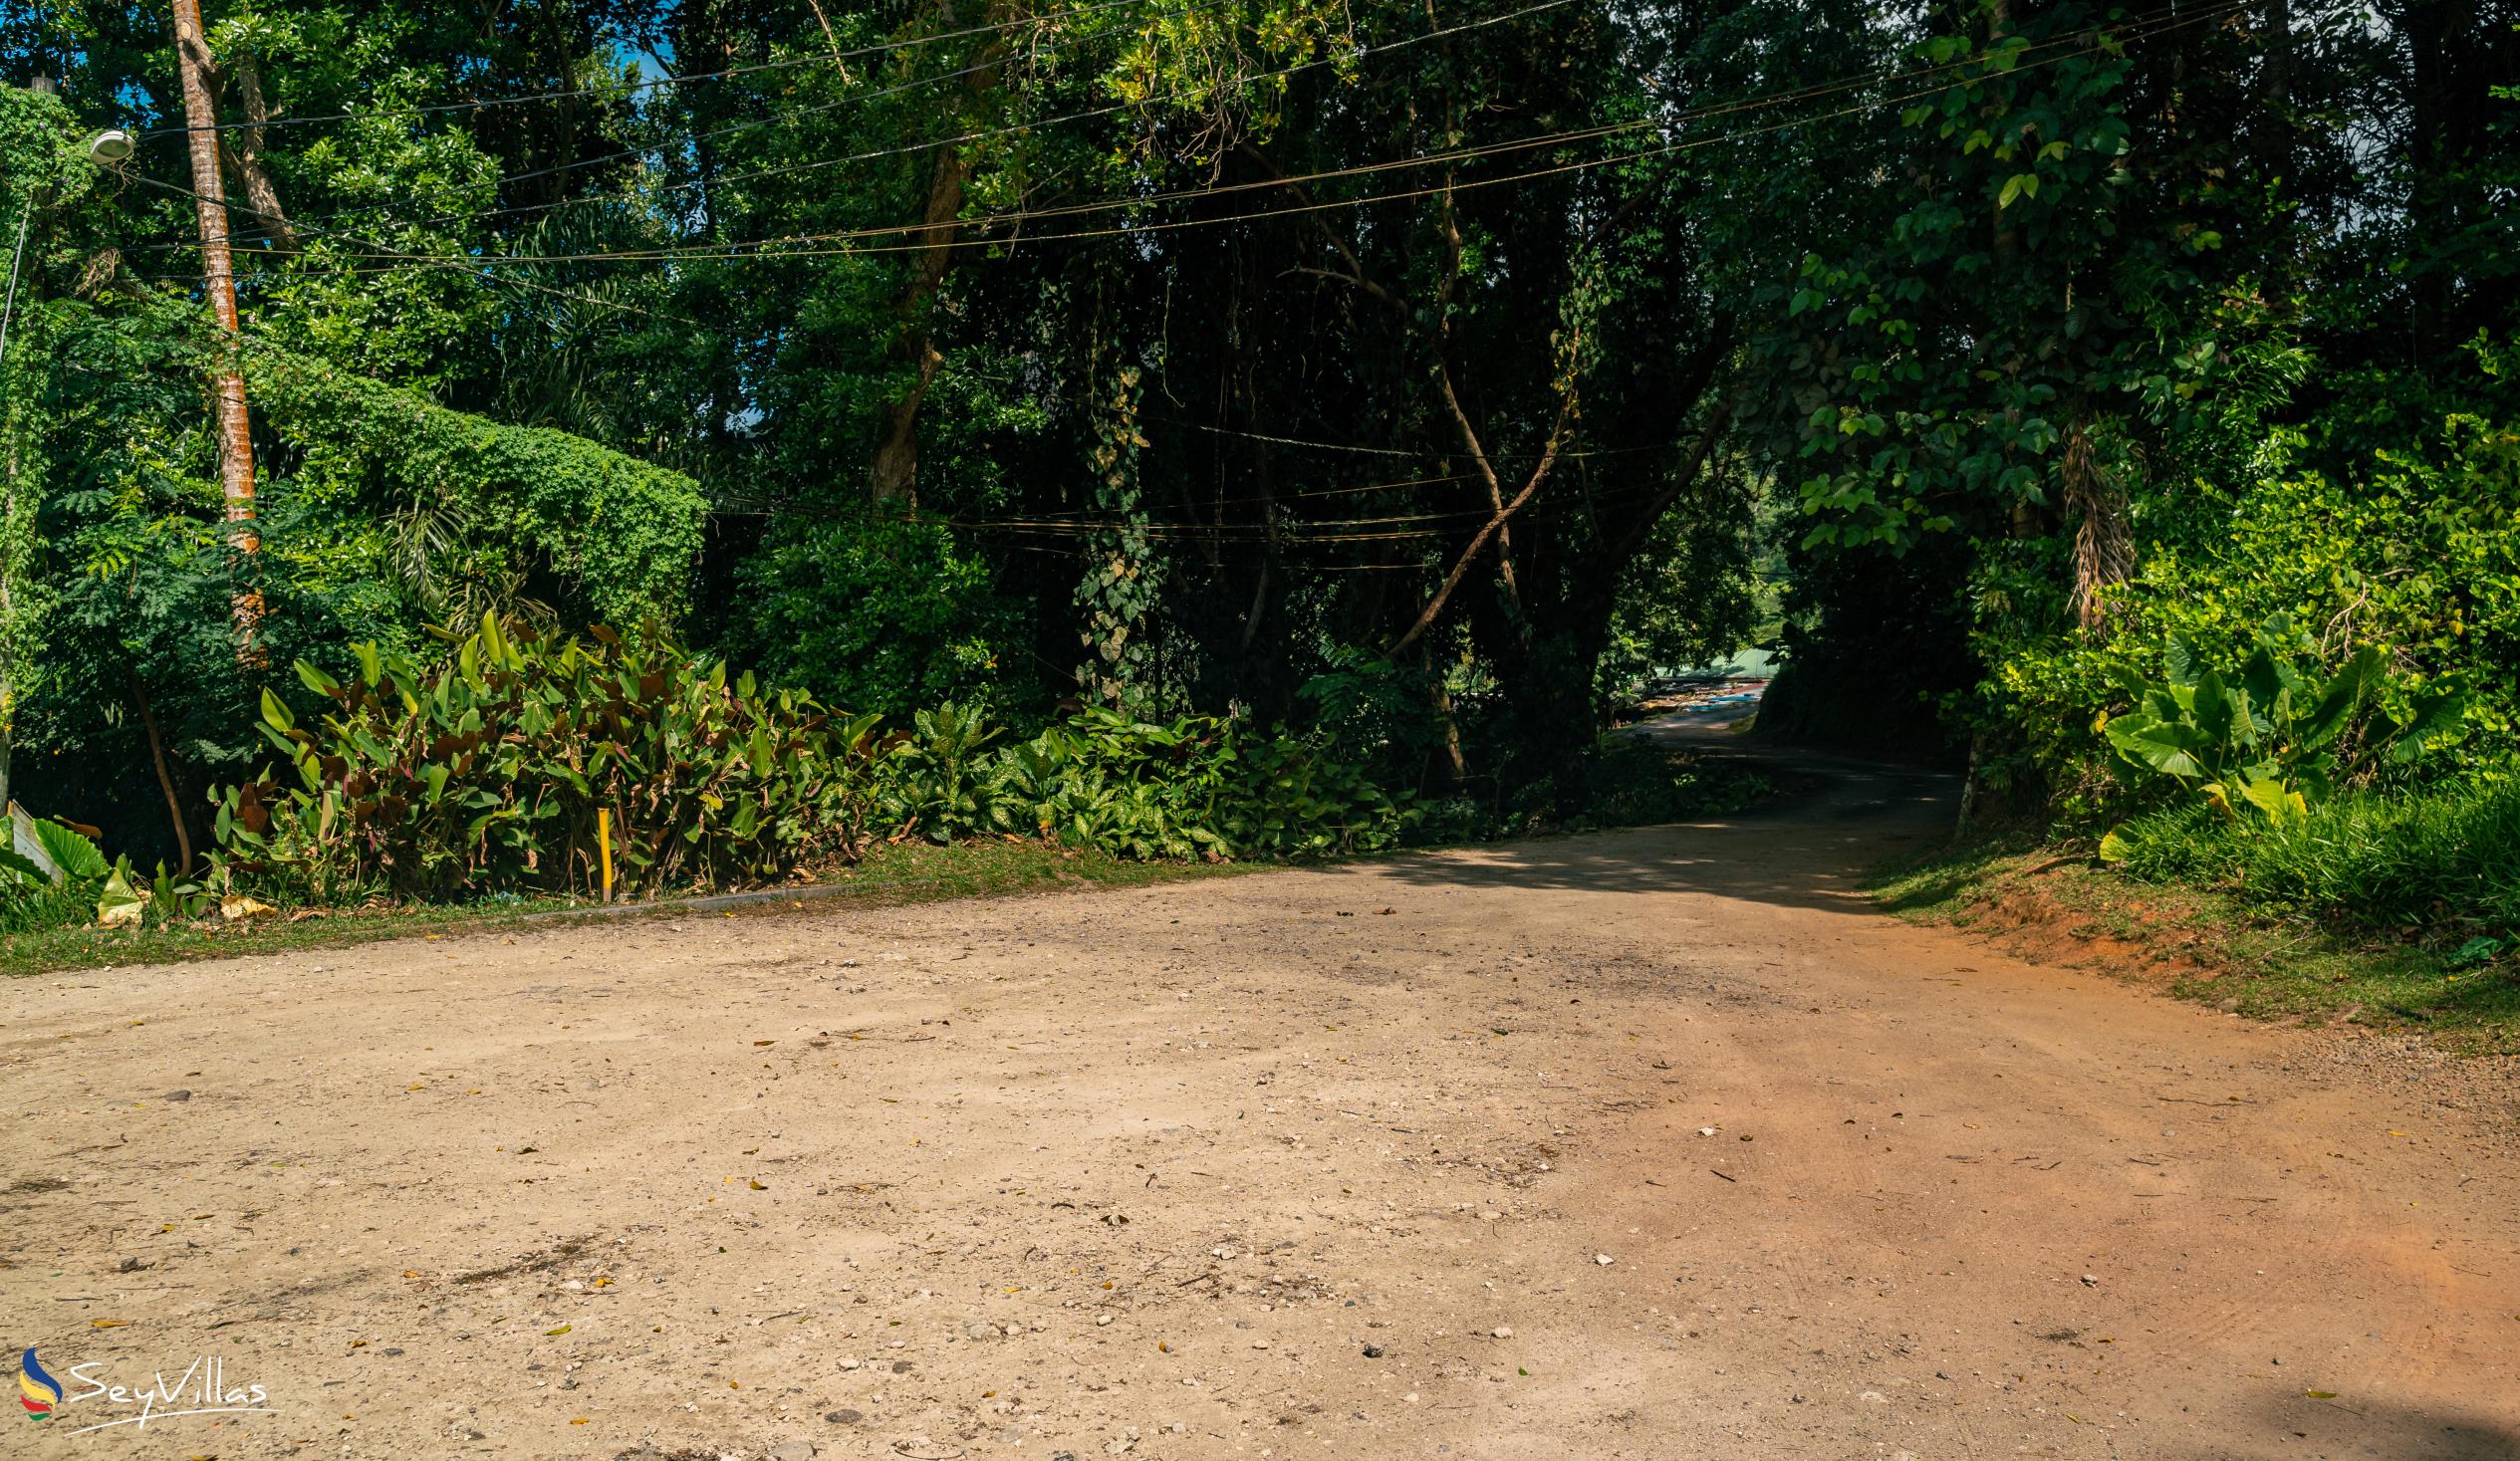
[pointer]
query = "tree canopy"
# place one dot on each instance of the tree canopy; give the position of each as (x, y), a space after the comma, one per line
(1415, 375)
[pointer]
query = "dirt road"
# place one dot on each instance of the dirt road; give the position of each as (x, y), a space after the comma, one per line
(1654, 1143)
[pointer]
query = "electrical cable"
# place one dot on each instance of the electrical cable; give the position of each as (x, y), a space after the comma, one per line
(968, 232)
(687, 79)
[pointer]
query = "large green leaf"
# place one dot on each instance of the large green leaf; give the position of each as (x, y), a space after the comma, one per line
(2169, 747)
(2218, 709)
(2432, 717)
(77, 858)
(2336, 703)
(24, 869)
(2180, 658)
(2263, 788)
(121, 903)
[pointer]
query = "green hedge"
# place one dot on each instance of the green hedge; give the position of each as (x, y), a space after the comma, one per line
(625, 532)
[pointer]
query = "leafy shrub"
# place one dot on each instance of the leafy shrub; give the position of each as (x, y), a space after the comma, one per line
(1633, 782)
(877, 614)
(488, 771)
(2417, 548)
(1626, 781)
(1365, 708)
(2273, 738)
(623, 532)
(1187, 788)
(2446, 859)
(935, 782)
(49, 881)
(1287, 799)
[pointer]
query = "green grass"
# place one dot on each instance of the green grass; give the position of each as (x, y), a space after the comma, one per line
(2222, 945)
(888, 877)
(2445, 861)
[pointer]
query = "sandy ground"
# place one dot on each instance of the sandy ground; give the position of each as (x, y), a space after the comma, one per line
(1400, 1160)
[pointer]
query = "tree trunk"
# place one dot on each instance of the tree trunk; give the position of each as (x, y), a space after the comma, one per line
(2276, 103)
(895, 476)
(259, 189)
(9, 517)
(165, 780)
(236, 442)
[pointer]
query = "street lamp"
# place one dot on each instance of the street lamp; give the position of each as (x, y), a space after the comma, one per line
(106, 148)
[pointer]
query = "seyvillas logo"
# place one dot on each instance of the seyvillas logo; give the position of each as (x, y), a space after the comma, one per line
(203, 1389)
(37, 1392)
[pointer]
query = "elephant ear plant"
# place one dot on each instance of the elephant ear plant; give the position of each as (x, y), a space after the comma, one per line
(485, 773)
(2272, 738)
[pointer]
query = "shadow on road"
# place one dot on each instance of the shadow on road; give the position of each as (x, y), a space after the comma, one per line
(1806, 848)
(2389, 1432)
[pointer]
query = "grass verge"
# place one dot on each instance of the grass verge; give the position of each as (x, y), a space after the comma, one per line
(2208, 945)
(888, 877)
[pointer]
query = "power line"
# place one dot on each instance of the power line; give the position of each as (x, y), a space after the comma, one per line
(959, 139)
(1174, 225)
(1406, 450)
(1664, 119)
(687, 79)
(1295, 534)
(600, 159)
(469, 268)
(968, 232)
(485, 267)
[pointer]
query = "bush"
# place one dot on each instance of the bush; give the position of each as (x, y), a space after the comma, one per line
(877, 614)
(2446, 860)
(50, 875)
(2273, 737)
(487, 773)
(1193, 786)
(2417, 548)
(1633, 782)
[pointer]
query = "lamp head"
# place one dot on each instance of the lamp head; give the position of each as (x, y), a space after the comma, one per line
(109, 146)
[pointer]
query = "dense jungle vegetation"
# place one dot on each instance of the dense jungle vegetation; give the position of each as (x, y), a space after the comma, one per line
(1260, 427)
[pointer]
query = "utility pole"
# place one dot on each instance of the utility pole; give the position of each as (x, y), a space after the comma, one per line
(218, 267)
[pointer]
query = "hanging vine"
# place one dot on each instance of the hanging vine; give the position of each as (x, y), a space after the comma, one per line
(1122, 578)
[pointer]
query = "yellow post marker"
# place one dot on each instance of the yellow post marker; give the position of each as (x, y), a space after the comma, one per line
(603, 847)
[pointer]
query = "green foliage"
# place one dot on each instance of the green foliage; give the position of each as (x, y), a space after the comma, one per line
(1632, 782)
(1123, 577)
(1365, 709)
(1690, 599)
(486, 773)
(878, 614)
(2060, 331)
(2446, 860)
(53, 883)
(2035, 271)
(71, 852)
(621, 533)
(26, 908)
(2269, 740)
(2416, 546)
(1195, 787)
(937, 781)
